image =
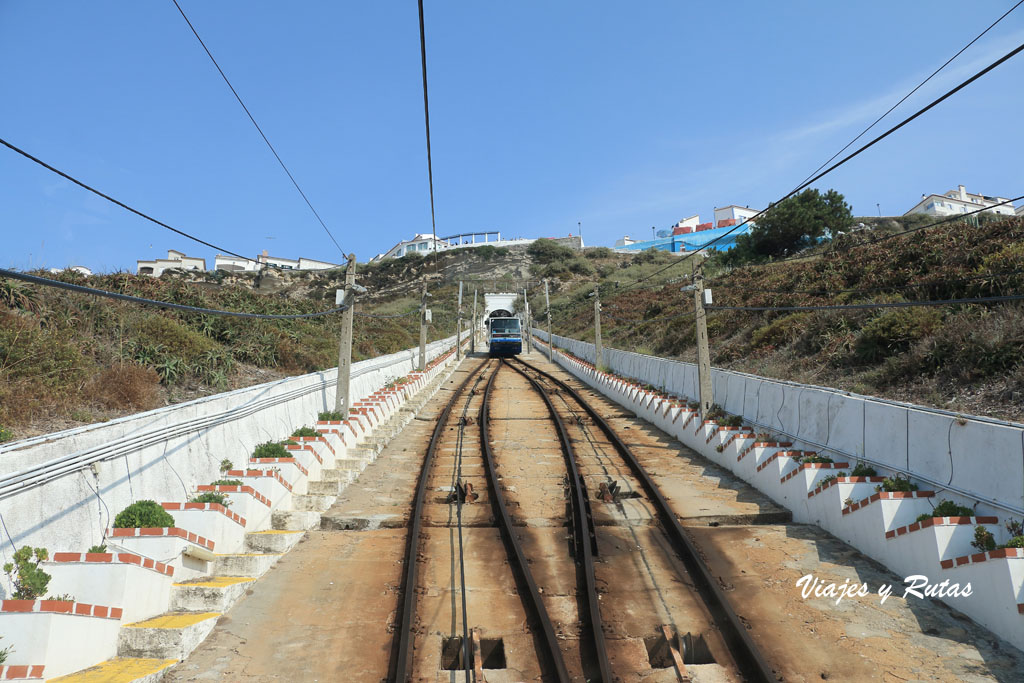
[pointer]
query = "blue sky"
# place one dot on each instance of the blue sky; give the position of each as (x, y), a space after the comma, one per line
(622, 115)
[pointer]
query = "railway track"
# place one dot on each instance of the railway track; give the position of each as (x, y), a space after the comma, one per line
(540, 549)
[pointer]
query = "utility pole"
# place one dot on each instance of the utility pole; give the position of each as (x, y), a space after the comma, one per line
(547, 305)
(472, 338)
(527, 336)
(598, 347)
(423, 329)
(458, 327)
(702, 297)
(342, 400)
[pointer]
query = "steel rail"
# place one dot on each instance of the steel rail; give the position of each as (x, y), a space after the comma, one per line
(549, 650)
(749, 660)
(399, 667)
(581, 531)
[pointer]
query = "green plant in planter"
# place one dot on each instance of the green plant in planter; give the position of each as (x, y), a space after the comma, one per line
(693, 405)
(947, 508)
(28, 579)
(897, 483)
(329, 415)
(97, 549)
(227, 482)
(5, 652)
(225, 465)
(825, 481)
(1015, 542)
(63, 597)
(715, 413)
(816, 458)
(271, 449)
(763, 437)
(146, 514)
(211, 497)
(732, 421)
(862, 470)
(305, 431)
(983, 539)
(1015, 527)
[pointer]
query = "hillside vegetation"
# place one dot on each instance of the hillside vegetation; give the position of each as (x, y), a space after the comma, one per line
(967, 357)
(69, 359)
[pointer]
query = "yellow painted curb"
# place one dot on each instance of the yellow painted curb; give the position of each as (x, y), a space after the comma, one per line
(176, 620)
(120, 670)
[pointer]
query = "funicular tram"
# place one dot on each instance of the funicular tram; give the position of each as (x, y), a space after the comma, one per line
(504, 334)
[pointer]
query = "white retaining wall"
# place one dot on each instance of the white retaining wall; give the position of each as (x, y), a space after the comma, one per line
(61, 490)
(967, 458)
(881, 525)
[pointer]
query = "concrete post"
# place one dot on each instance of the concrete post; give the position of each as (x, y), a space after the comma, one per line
(423, 329)
(703, 351)
(547, 305)
(527, 332)
(598, 347)
(342, 401)
(458, 327)
(472, 338)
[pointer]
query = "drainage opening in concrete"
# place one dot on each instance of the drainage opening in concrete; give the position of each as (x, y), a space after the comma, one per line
(692, 648)
(492, 652)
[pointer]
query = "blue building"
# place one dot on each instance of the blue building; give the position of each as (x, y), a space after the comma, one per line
(692, 241)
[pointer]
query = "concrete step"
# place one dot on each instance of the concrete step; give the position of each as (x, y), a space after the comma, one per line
(244, 564)
(311, 502)
(342, 476)
(213, 594)
(328, 487)
(169, 636)
(272, 541)
(295, 520)
(121, 670)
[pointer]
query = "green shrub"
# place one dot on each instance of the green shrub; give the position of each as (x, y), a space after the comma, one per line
(715, 413)
(211, 497)
(947, 508)
(779, 331)
(732, 421)
(548, 251)
(824, 481)
(227, 482)
(329, 415)
(1015, 542)
(983, 539)
(5, 434)
(28, 579)
(226, 465)
(862, 470)
(1015, 527)
(580, 267)
(146, 514)
(271, 449)
(897, 483)
(305, 431)
(97, 549)
(894, 332)
(816, 459)
(5, 652)
(598, 252)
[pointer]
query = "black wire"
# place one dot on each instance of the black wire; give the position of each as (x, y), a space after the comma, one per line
(426, 120)
(262, 134)
(35, 279)
(918, 87)
(847, 158)
(895, 304)
(865, 290)
(119, 203)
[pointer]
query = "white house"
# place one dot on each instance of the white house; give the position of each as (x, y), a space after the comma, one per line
(421, 243)
(234, 264)
(175, 259)
(625, 241)
(81, 270)
(960, 201)
(733, 212)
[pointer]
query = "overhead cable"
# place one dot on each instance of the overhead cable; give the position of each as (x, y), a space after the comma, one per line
(848, 157)
(45, 282)
(120, 203)
(865, 290)
(891, 304)
(426, 121)
(262, 134)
